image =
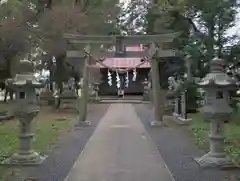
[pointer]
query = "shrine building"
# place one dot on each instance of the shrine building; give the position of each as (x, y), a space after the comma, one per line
(127, 73)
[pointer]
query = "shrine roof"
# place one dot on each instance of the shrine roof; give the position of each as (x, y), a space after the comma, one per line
(125, 62)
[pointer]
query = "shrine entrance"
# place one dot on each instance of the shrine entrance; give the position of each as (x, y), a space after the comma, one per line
(123, 76)
(102, 48)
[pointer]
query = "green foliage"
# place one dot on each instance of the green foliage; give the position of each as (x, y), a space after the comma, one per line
(200, 129)
(16, 40)
(46, 132)
(203, 25)
(234, 104)
(192, 97)
(29, 24)
(86, 17)
(133, 17)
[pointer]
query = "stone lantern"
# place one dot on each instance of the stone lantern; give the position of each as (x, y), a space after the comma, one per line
(96, 90)
(25, 109)
(216, 109)
(146, 90)
(68, 95)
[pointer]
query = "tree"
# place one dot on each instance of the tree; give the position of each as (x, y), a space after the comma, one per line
(207, 24)
(203, 25)
(132, 17)
(14, 32)
(16, 39)
(76, 17)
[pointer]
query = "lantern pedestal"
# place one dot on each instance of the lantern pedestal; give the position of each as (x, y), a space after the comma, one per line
(216, 157)
(83, 123)
(176, 115)
(183, 121)
(68, 100)
(146, 96)
(28, 158)
(25, 155)
(212, 160)
(155, 123)
(47, 96)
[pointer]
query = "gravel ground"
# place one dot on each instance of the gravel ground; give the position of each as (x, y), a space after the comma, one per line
(62, 157)
(179, 152)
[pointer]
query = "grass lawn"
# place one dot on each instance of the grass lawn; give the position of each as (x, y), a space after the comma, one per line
(200, 129)
(47, 128)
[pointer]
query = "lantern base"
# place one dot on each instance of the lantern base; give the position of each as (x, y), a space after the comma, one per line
(32, 158)
(183, 121)
(176, 115)
(146, 97)
(209, 161)
(83, 123)
(94, 100)
(155, 123)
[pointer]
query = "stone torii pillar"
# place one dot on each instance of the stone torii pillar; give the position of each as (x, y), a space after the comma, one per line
(156, 91)
(158, 95)
(82, 120)
(145, 90)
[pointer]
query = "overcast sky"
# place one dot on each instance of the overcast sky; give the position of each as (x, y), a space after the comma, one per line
(236, 29)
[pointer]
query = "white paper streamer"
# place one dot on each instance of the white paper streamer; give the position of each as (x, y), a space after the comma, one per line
(127, 80)
(117, 80)
(109, 78)
(134, 75)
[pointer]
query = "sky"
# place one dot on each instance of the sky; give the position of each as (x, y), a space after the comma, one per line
(236, 29)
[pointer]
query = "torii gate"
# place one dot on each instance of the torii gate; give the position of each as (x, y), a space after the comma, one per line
(152, 53)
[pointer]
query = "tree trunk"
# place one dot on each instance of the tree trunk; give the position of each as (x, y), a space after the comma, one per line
(60, 72)
(10, 72)
(211, 40)
(50, 67)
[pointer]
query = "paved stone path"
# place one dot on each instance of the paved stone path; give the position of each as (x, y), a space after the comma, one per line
(120, 150)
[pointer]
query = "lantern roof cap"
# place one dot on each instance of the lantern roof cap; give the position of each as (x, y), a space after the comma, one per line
(217, 76)
(25, 78)
(25, 66)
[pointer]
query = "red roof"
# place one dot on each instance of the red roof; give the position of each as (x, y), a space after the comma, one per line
(125, 62)
(135, 48)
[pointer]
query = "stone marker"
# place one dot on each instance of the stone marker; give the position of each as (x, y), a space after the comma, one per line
(146, 90)
(180, 113)
(183, 109)
(177, 107)
(96, 90)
